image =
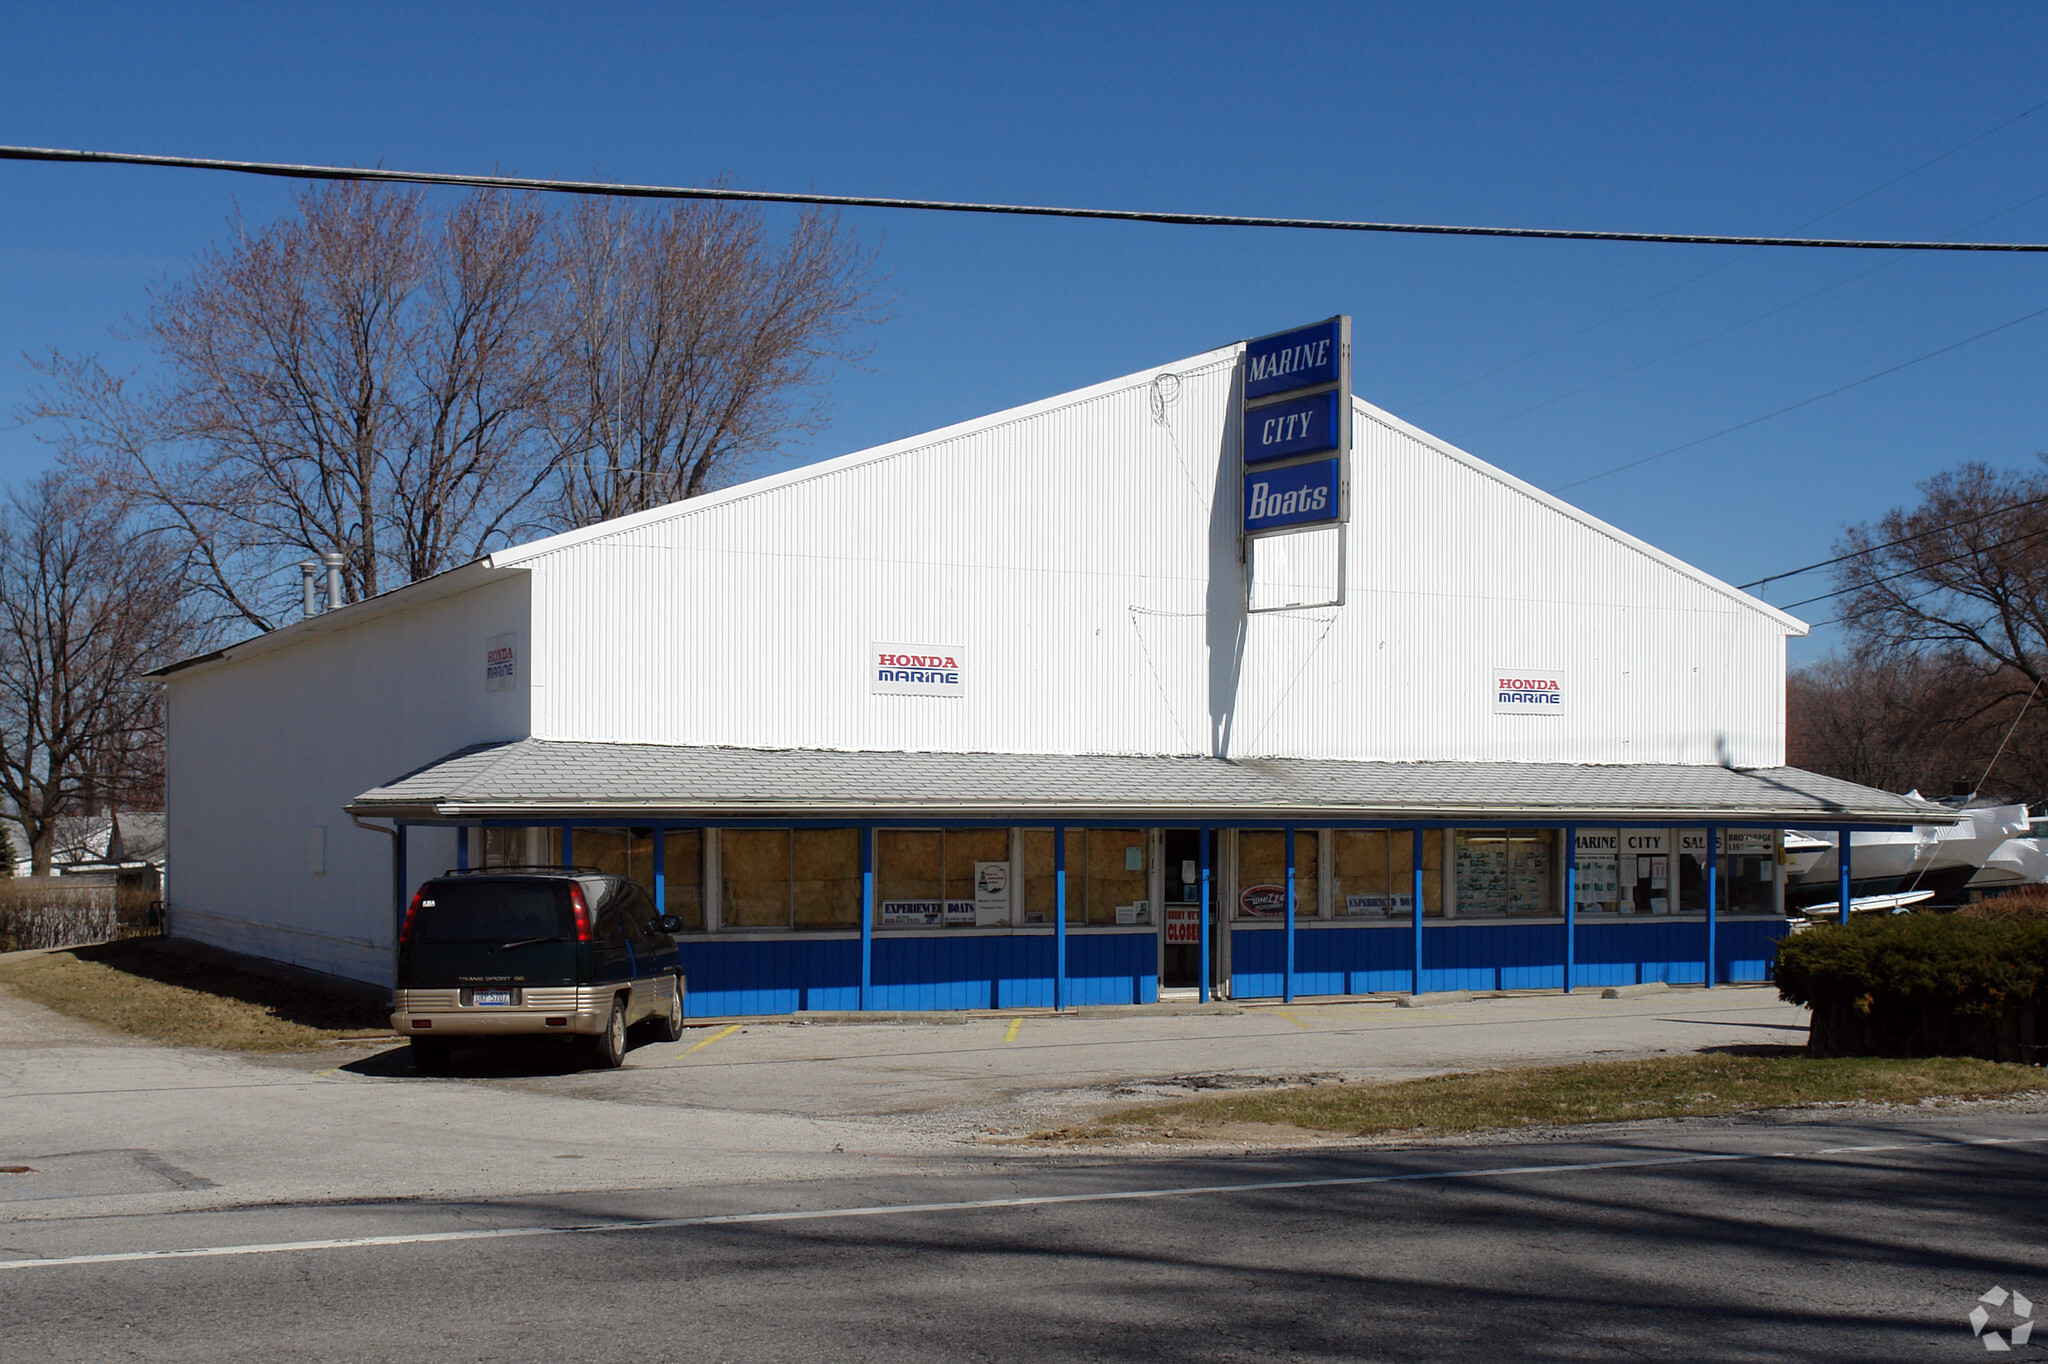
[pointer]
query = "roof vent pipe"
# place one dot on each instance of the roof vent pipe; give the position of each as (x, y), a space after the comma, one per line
(334, 561)
(309, 580)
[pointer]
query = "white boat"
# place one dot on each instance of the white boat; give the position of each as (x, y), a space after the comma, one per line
(1944, 857)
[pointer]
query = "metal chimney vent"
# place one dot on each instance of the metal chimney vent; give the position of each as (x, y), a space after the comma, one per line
(334, 561)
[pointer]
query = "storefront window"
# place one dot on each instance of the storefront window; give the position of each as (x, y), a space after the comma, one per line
(929, 878)
(1505, 873)
(1596, 878)
(1749, 871)
(824, 878)
(1041, 894)
(1373, 873)
(1115, 887)
(753, 871)
(1645, 867)
(534, 846)
(1262, 874)
(682, 857)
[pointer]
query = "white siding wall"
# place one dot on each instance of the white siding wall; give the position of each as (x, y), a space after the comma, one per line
(265, 749)
(1083, 553)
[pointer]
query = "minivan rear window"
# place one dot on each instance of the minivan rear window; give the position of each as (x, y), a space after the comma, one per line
(494, 910)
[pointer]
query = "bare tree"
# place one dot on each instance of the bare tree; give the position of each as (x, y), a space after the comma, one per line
(415, 389)
(1946, 608)
(690, 344)
(88, 605)
(359, 376)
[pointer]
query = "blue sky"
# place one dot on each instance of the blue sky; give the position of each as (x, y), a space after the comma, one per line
(1709, 118)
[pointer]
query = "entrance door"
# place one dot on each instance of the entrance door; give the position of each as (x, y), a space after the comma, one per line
(1181, 962)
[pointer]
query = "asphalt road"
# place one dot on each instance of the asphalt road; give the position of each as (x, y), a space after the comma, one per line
(1763, 1239)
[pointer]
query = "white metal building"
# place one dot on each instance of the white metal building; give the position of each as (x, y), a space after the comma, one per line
(1038, 642)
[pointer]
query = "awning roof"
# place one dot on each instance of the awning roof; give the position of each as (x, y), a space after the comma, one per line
(546, 779)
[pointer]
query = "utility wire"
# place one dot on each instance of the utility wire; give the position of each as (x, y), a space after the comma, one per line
(1884, 264)
(1803, 402)
(1691, 280)
(2034, 534)
(291, 171)
(1902, 540)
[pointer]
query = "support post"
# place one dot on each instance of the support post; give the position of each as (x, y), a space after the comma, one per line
(398, 878)
(1843, 838)
(1287, 982)
(1571, 905)
(1713, 891)
(1415, 867)
(1202, 837)
(1059, 918)
(867, 917)
(661, 869)
(462, 847)
(568, 846)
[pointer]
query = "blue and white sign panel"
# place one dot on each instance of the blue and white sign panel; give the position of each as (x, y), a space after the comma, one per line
(1292, 495)
(1292, 426)
(1302, 358)
(1295, 436)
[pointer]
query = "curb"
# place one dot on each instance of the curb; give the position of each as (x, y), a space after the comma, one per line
(1433, 998)
(1652, 987)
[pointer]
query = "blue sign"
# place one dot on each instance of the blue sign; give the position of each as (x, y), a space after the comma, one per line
(1296, 495)
(1297, 359)
(1292, 426)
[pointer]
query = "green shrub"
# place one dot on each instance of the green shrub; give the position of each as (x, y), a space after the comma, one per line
(1920, 985)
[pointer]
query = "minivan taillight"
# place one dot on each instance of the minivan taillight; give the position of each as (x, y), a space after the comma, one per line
(412, 913)
(581, 909)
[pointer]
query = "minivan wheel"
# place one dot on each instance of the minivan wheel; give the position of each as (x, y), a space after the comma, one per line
(669, 1027)
(608, 1048)
(429, 1055)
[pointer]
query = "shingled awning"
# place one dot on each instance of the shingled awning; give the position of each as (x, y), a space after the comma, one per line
(544, 780)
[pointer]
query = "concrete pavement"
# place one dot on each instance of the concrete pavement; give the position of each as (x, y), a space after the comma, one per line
(111, 1124)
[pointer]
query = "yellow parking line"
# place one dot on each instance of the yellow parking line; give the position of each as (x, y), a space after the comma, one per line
(1011, 1035)
(727, 1031)
(1295, 1021)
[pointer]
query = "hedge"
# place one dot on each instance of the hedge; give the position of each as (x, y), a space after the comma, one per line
(1922, 985)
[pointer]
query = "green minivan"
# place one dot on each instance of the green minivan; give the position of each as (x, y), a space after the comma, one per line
(525, 952)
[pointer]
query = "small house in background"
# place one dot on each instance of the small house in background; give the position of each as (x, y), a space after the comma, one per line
(124, 849)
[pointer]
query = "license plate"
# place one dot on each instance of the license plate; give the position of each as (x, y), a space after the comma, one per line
(485, 998)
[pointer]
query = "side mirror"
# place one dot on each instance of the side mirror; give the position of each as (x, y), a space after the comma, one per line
(669, 923)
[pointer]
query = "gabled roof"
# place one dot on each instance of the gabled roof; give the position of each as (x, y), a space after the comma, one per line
(540, 779)
(514, 557)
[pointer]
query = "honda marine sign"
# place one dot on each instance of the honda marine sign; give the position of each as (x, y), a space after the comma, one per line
(916, 670)
(1525, 691)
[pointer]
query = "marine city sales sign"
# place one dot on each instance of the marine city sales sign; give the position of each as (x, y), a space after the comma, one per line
(1296, 430)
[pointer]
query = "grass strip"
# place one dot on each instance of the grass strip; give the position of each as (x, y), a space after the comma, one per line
(1551, 1096)
(137, 986)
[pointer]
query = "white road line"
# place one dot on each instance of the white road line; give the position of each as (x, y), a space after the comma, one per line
(986, 1204)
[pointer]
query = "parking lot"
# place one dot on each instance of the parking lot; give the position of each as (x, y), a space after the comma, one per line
(108, 1121)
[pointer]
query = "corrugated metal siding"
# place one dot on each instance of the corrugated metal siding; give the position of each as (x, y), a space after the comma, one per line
(768, 975)
(1371, 959)
(1085, 558)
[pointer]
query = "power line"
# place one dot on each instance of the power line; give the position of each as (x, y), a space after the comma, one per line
(593, 187)
(2034, 534)
(1691, 280)
(1803, 402)
(1902, 540)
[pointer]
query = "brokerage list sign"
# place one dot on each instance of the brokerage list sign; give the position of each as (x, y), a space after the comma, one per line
(1296, 432)
(916, 670)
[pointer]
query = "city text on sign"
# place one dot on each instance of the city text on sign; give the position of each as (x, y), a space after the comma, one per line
(1292, 426)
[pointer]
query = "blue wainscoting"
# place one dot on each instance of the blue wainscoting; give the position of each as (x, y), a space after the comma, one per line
(1356, 959)
(767, 975)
